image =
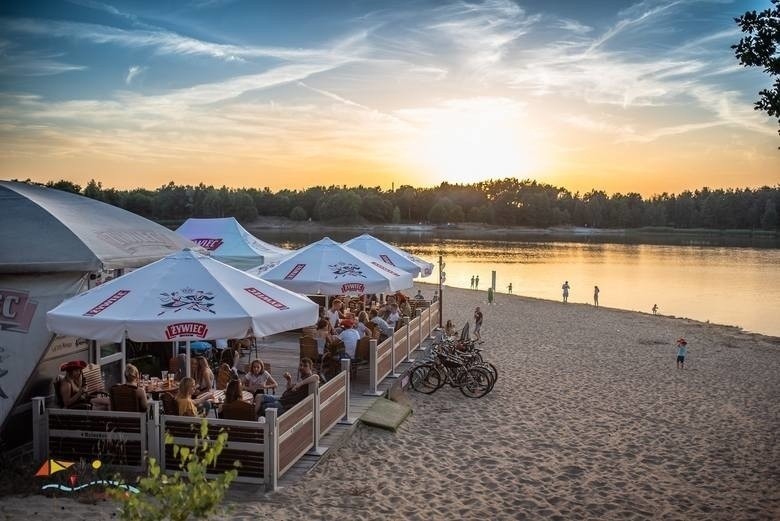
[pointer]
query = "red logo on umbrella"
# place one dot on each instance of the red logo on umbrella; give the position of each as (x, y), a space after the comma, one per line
(187, 329)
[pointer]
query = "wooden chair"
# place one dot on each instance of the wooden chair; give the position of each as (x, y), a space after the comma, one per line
(362, 355)
(123, 398)
(238, 410)
(169, 405)
(94, 380)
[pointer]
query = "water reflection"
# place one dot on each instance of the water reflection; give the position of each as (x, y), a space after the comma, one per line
(726, 285)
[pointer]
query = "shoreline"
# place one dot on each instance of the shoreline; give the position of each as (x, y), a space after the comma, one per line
(589, 419)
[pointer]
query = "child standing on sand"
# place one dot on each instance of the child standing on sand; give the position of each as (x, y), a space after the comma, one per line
(682, 352)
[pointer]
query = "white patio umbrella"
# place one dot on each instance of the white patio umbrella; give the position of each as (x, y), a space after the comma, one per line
(329, 268)
(184, 296)
(390, 255)
(229, 242)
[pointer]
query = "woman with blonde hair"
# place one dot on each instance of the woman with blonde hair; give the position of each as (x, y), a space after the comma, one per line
(187, 406)
(204, 376)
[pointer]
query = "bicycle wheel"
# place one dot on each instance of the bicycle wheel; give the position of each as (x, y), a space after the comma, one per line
(492, 370)
(425, 379)
(477, 382)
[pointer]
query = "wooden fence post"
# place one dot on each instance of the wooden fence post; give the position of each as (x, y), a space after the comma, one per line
(345, 368)
(40, 429)
(271, 450)
(372, 371)
(314, 388)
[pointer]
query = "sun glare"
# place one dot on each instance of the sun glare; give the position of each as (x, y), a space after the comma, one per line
(472, 141)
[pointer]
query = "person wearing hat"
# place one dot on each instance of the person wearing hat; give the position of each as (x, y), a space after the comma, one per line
(350, 336)
(73, 389)
(682, 351)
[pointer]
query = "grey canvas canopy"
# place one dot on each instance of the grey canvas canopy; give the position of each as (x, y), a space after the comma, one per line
(45, 230)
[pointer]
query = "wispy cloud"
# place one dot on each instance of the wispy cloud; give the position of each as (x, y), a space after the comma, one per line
(17, 62)
(133, 72)
(162, 42)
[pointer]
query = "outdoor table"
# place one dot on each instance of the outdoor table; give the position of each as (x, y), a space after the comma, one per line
(219, 396)
(163, 386)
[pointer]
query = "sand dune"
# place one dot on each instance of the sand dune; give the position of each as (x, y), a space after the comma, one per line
(589, 420)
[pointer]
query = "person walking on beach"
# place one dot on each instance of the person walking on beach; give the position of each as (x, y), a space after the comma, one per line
(565, 289)
(682, 352)
(490, 295)
(655, 309)
(476, 282)
(596, 291)
(477, 323)
(472, 282)
(509, 288)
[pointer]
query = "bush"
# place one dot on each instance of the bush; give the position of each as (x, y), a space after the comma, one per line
(187, 492)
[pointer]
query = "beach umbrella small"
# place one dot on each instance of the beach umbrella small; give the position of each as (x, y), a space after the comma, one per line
(329, 268)
(390, 255)
(229, 242)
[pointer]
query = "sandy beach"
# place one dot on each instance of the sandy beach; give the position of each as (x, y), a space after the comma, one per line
(590, 419)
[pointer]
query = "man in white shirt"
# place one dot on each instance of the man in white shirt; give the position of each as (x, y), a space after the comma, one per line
(350, 336)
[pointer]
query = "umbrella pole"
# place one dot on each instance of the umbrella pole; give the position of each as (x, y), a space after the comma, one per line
(124, 355)
(189, 364)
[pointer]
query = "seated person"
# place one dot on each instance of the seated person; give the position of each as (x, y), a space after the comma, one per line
(294, 392)
(188, 406)
(393, 316)
(230, 357)
(405, 308)
(350, 336)
(204, 376)
(449, 329)
(362, 324)
(419, 295)
(257, 380)
(131, 380)
(73, 389)
(235, 407)
(383, 326)
(323, 335)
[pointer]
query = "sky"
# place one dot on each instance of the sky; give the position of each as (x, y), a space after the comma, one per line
(615, 95)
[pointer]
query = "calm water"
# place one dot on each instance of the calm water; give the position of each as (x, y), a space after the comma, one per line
(725, 285)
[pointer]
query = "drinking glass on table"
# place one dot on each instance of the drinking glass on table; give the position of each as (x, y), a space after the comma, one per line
(164, 377)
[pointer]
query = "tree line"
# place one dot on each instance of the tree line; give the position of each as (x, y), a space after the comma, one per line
(505, 202)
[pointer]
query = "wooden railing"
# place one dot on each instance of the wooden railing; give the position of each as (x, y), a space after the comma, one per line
(266, 449)
(385, 357)
(246, 444)
(118, 439)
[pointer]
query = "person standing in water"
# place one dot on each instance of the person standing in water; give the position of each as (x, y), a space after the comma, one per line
(565, 289)
(476, 282)
(596, 291)
(472, 282)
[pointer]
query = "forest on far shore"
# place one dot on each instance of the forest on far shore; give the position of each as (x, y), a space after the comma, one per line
(505, 202)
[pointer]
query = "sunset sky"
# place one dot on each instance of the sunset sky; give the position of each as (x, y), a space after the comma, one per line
(616, 95)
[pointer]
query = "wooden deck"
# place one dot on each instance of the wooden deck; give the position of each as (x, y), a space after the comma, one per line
(282, 352)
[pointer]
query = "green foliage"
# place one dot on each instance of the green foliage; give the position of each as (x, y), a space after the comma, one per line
(298, 214)
(187, 492)
(501, 202)
(396, 215)
(761, 47)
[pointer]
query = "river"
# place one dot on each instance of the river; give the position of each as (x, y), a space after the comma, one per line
(733, 285)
